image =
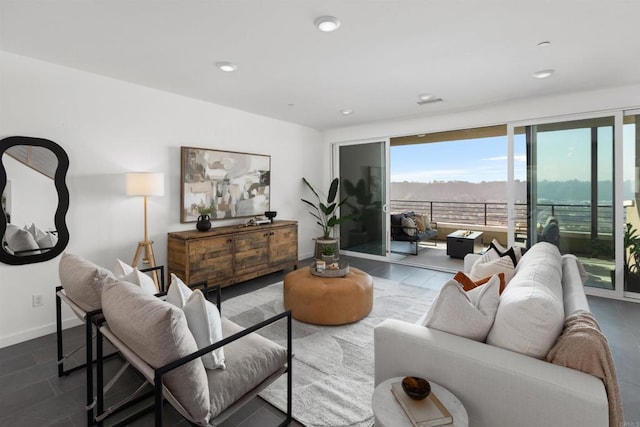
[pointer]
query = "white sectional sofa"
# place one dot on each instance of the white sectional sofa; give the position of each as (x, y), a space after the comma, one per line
(500, 387)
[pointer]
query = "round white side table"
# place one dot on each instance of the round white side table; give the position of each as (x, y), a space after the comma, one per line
(389, 413)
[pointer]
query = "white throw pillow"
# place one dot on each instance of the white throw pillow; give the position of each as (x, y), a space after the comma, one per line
(491, 263)
(35, 231)
(140, 279)
(121, 269)
(466, 314)
(204, 323)
(178, 292)
(47, 240)
(19, 239)
(409, 226)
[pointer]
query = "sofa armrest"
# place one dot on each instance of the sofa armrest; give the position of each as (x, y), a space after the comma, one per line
(497, 387)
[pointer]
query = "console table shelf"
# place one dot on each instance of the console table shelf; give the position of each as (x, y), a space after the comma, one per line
(232, 254)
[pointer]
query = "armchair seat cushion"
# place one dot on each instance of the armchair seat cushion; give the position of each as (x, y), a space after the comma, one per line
(417, 237)
(250, 361)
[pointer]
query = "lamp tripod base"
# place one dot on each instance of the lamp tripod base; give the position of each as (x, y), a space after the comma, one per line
(147, 247)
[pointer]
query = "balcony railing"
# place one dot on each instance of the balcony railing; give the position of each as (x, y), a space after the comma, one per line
(575, 218)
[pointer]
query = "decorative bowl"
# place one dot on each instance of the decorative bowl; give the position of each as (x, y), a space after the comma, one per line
(270, 214)
(416, 388)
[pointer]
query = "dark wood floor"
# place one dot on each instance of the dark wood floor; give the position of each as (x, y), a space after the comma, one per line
(31, 394)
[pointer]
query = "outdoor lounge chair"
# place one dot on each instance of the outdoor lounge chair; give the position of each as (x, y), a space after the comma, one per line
(407, 233)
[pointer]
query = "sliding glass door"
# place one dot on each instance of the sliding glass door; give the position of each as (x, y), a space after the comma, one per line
(570, 192)
(362, 171)
(631, 194)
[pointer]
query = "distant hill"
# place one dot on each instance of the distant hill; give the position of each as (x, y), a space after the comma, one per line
(496, 191)
(456, 191)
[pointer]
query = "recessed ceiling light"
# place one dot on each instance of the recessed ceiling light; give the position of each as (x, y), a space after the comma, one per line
(426, 96)
(346, 112)
(226, 66)
(327, 23)
(543, 74)
(544, 44)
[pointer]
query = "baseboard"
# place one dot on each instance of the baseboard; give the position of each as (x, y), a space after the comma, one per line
(38, 332)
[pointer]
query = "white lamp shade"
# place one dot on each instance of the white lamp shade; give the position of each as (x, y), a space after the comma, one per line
(145, 184)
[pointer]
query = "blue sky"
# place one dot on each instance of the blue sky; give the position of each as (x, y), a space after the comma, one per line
(562, 156)
(472, 160)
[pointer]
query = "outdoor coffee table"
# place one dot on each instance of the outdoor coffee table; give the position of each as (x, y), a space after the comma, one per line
(328, 300)
(462, 242)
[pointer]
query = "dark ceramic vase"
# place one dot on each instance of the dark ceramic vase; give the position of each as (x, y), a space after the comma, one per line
(204, 222)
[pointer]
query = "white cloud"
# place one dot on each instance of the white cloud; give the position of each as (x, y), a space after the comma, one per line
(517, 158)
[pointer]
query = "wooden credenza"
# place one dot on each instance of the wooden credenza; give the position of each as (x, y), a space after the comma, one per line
(232, 254)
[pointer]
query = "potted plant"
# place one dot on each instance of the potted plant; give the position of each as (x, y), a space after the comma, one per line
(632, 259)
(329, 253)
(326, 212)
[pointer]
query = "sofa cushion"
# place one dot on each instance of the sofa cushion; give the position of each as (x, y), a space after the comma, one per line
(203, 319)
(158, 333)
(420, 223)
(467, 314)
(491, 263)
(409, 226)
(83, 280)
(531, 314)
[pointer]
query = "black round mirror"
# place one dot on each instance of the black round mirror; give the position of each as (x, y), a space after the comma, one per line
(35, 200)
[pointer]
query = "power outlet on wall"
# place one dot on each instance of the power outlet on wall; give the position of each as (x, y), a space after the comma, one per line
(36, 300)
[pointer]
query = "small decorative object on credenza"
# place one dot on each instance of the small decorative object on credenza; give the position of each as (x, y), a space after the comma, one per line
(204, 220)
(270, 215)
(424, 410)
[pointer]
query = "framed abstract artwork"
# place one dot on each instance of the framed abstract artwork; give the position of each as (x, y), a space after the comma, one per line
(223, 184)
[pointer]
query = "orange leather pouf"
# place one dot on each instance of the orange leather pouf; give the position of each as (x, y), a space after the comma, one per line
(328, 300)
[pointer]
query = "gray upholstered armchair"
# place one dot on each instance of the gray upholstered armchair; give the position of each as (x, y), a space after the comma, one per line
(156, 337)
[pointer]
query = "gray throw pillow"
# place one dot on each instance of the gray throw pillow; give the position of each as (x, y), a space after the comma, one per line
(158, 333)
(83, 280)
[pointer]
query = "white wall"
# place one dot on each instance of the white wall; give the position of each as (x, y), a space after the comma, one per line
(108, 128)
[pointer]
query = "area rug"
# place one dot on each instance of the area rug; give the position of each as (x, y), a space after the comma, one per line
(333, 366)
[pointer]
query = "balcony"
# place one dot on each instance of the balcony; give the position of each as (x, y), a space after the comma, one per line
(589, 240)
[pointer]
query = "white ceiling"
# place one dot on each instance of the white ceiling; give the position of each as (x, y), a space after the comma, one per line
(386, 52)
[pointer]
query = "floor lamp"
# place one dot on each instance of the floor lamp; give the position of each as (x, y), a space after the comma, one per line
(145, 185)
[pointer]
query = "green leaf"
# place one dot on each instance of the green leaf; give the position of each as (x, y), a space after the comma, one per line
(333, 190)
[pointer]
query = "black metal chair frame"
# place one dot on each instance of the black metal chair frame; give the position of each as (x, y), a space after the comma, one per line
(157, 406)
(415, 239)
(89, 320)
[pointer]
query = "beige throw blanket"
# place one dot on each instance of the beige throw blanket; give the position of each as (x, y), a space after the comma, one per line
(582, 346)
